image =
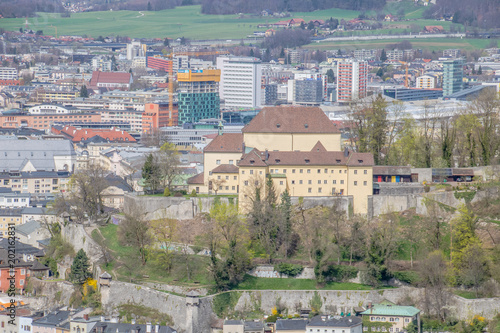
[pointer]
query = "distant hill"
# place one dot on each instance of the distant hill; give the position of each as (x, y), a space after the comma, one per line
(221, 7)
(483, 14)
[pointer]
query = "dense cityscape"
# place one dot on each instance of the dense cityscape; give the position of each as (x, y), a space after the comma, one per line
(331, 168)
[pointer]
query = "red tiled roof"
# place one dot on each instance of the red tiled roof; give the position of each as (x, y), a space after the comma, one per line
(198, 179)
(290, 120)
(77, 135)
(109, 77)
(312, 158)
(226, 168)
(226, 143)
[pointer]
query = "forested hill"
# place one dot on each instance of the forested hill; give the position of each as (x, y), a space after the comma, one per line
(256, 6)
(483, 14)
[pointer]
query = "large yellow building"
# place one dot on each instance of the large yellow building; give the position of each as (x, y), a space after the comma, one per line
(298, 147)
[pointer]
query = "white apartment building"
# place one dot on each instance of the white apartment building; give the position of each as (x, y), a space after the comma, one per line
(240, 82)
(352, 77)
(426, 82)
(8, 73)
(135, 49)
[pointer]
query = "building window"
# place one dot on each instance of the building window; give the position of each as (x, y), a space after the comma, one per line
(309, 190)
(319, 170)
(355, 183)
(301, 170)
(333, 171)
(21, 282)
(355, 172)
(319, 182)
(227, 188)
(293, 182)
(251, 172)
(319, 189)
(230, 161)
(218, 177)
(293, 170)
(334, 181)
(365, 172)
(227, 177)
(235, 177)
(308, 170)
(23, 272)
(233, 188)
(284, 170)
(300, 182)
(309, 182)
(365, 183)
(342, 182)
(325, 181)
(242, 172)
(220, 187)
(281, 182)
(246, 182)
(217, 162)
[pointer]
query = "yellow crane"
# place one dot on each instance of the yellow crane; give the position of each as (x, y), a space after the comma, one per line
(406, 72)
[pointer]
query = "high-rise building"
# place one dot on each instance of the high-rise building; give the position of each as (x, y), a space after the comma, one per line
(135, 49)
(352, 77)
(308, 91)
(453, 74)
(240, 83)
(158, 115)
(198, 94)
(426, 82)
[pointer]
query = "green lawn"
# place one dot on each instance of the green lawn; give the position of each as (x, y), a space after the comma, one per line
(433, 44)
(254, 283)
(465, 294)
(127, 266)
(185, 21)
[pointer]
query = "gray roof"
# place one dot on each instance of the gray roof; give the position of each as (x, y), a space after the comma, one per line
(233, 322)
(342, 322)
(291, 324)
(28, 227)
(108, 327)
(14, 155)
(253, 325)
(52, 319)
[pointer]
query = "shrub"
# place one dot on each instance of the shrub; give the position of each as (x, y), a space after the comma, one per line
(166, 193)
(178, 194)
(409, 277)
(337, 273)
(193, 193)
(427, 188)
(289, 269)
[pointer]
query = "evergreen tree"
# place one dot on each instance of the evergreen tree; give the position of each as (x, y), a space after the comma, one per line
(80, 269)
(480, 71)
(83, 91)
(151, 173)
(150, 8)
(380, 72)
(166, 42)
(330, 75)
(383, 56)
(252, 53)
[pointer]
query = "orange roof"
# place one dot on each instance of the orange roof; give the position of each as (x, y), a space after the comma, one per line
(80, 134)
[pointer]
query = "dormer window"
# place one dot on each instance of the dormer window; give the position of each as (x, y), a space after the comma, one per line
(278, 125)
(278, 161)
(338, 161)
(307, 161)
(360, 161)
(306, 125)
(252, 161)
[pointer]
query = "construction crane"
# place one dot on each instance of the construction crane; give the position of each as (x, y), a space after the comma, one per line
(53, 26)
(406, 72)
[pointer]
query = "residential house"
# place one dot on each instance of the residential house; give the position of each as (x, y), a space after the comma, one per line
(109, 327)
(26, 321)
(79, 134)
(31, 233)
(22, 270)
(240, 326)
(9, 323)
(398, 315)
(54, 322)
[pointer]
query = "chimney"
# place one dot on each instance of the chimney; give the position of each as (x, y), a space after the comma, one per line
(267, 154)
(148, 327)
(86, 316)
(346, 152)
(243, 147)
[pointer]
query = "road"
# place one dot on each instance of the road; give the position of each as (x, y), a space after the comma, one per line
(375, 37)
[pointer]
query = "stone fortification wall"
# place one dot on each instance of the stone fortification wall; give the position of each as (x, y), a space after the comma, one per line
(187, 317)
(400, 188)
(343, 203)
(47, 294)
(159, 207)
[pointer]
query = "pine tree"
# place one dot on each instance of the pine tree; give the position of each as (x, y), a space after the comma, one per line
(383, 56)
(480, 71)
(80, 269)
(83, 91)
(150, 8)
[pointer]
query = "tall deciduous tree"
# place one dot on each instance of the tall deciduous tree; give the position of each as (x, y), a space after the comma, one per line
(433, 273)
(151, 173)
(134, 231)
(168, 161)
(165, 232)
